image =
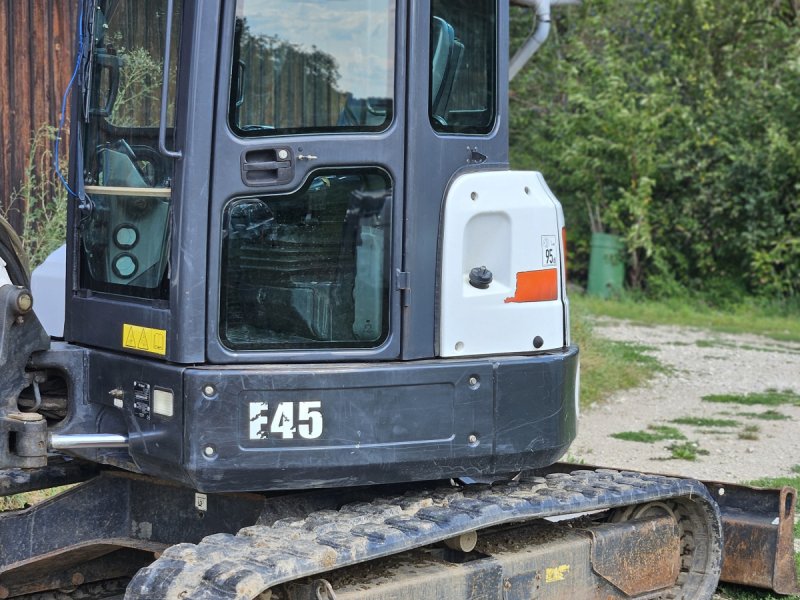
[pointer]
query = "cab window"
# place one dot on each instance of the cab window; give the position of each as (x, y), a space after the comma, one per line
(463, 66)
(312, 66)
(125, 225)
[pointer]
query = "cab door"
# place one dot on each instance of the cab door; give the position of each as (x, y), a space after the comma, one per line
(307, 182)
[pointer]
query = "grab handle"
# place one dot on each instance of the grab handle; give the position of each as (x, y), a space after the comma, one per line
(162, 127)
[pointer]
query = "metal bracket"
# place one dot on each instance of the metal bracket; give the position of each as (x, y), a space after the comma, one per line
(24, 443)
(22, 435)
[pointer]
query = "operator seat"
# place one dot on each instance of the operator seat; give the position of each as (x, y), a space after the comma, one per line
(446, 54)
(118, 167)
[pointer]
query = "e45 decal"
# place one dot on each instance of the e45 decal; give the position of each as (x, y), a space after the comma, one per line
(286, 420)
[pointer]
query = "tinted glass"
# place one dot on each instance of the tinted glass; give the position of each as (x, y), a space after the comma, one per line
(462, 70)
(309, 269)
(125, 234)
(312, 66)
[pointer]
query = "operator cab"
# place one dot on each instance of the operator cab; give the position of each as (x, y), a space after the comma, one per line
(296, 183)
(298, 255)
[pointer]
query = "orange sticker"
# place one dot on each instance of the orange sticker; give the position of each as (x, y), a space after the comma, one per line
(536, 286)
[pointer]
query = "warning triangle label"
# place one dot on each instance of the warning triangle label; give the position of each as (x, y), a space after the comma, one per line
(144, 339)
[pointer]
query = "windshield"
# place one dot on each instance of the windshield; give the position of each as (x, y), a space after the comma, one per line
(304, 66)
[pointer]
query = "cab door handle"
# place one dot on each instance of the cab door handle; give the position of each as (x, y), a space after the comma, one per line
(267, 166)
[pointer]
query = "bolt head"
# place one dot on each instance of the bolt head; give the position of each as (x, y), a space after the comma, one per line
(473, 381)
(209, 390)
(24, 302)
(283, 154)
(209, 451)
(472, 438)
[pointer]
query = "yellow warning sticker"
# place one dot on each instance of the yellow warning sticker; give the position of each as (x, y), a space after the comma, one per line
(553, 574)
(144, 339)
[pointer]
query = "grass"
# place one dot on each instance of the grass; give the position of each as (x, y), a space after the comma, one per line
(735, 592)
(768, 398)
(769, 415)
(686, 451)
(773, 347)
(607, 366)
(19, 501)
(705, 422)
(654, 433)
(775, 321)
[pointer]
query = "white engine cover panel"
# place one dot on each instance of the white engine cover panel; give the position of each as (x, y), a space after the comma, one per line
(4, 278)
(48, 285)
(508, 222)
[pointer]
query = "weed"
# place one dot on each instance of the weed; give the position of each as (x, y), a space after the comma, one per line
(707, 343)
(41, 200)
(775, 348)
(570, 458)
(735, 592)
(19, 501)
(686, 450)
(654, 433)
(750, 432)
(769, 415)
(769, 398)
(705, 422)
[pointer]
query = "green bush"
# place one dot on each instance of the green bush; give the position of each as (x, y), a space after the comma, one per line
(675, 124)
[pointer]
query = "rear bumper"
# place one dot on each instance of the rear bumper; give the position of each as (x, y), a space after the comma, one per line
(377, 423)
(364, 423)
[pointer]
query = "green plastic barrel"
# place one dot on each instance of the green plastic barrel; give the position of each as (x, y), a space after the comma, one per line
(606, 265)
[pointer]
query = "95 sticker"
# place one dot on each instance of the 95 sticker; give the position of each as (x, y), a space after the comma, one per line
(549, 251)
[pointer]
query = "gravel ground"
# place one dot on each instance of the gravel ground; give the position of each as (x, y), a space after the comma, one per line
(698, 363)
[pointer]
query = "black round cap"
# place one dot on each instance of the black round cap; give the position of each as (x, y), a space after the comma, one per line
(480, 277)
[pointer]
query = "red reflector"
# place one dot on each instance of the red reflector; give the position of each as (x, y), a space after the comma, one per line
(536, 286)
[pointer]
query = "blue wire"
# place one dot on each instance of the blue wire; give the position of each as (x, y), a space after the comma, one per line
(64, 103)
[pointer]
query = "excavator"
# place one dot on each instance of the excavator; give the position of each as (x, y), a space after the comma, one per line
(315, 339)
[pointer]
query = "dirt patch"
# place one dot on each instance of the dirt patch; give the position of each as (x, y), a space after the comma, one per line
(699, 363)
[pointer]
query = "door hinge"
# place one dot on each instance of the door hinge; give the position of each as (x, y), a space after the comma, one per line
(403, 284)
(403, 280)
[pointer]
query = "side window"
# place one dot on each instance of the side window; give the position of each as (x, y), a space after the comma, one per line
(463, 75)
(125, 233)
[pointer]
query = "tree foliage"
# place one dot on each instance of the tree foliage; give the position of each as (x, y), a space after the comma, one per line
(675, 124)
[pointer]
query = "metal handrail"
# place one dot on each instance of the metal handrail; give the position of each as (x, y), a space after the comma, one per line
(162, 127)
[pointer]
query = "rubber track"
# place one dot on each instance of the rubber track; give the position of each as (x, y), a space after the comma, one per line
(228, 567)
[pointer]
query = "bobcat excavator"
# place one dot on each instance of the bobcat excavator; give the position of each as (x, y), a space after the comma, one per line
(316, 339)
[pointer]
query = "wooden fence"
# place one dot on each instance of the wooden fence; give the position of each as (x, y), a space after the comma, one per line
(36, 59)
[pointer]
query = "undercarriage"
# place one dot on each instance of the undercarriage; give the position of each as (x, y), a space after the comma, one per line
(567, 531)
